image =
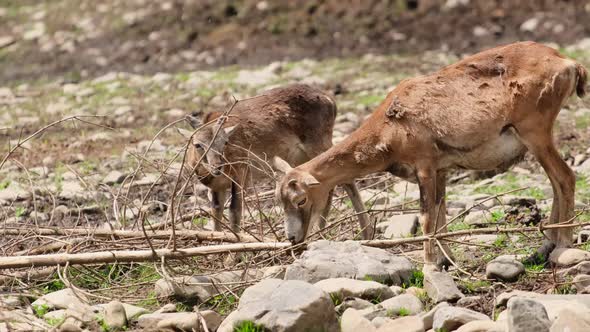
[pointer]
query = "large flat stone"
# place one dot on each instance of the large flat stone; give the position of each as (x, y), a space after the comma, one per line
(326, 259)
(284, 306)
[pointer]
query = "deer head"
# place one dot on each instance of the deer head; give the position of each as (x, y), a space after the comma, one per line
(303, 198)
(204, 144)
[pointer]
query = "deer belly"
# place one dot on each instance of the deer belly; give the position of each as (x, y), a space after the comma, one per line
(501, 152)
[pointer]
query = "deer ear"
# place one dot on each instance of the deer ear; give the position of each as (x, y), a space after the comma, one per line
(281, 165)
(193, 120)
(185, 133)
(310, 180)
(229, 130)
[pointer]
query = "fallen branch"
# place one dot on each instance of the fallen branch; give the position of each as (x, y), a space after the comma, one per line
(107, 233)
(102, 257)
(391, 243)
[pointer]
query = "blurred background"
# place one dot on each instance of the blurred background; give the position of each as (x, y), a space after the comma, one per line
(81, 38)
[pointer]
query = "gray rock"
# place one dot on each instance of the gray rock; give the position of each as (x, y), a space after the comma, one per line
(55, 315)
(196, 289)
(406, 324)
(284, 306)
(115, 316)
(552, 302)
(504, 268)
(6, 41)
(187, 322)
(584, 168)
(62, 299)
(10, 301)
(354, 303)
(344, 287)
(483, 326)
(375, 197)
(397, 290)
(380, 321)
(428, 317)
(568, 256)
(150, 321)
(73, 190)
(579, 159)
(132, 312)
(19, 320)
(477, 217)
(114, 177)
(326, 259)
(14, 192)
(401, 226)
(440, 286)
(527, 315)
(451, 318)
(469, 302)
(353, 321)
(571, 321)
(582, 283)
(530, 25)
(407, 302)
(212, 319)
(580, 268)
(167, 308)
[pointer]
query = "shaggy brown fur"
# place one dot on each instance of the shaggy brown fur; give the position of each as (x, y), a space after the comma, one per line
(481, 113)
(294, 123)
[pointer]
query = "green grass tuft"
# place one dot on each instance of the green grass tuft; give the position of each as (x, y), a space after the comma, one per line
(416, 280)
(248, 326)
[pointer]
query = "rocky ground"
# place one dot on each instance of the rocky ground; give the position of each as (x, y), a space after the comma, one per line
(83, 39)
(114, 162)
(103, 170)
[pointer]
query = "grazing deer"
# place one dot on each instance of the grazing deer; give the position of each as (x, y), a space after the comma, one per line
(481, 113)
(294, 123)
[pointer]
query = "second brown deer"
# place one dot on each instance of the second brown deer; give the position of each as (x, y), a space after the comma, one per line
(481, 113)
(294, 123)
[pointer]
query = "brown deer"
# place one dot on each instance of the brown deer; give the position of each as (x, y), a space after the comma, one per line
(294, 123)
(481, 113)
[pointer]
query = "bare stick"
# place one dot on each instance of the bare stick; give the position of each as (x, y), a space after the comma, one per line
(107, 233)
(147, 255)
(132, 255)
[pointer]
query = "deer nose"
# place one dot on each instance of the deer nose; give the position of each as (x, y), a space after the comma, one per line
(292, 239)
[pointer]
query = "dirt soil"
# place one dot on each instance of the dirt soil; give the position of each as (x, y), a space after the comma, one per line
(86, 38)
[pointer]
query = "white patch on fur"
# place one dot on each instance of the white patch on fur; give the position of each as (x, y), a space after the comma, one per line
(359, 157)
(382, 147)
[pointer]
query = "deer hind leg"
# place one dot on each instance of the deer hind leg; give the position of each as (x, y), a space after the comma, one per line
(359, 208)
(235, 207)
(441, 218)
(563, 182)
(427, 185)
(217, 205)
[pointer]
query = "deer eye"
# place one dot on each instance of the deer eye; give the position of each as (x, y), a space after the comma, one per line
(302, 202)
(199, 146)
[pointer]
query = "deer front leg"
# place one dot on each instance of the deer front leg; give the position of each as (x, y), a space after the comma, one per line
(217, 205)
(235, 207)
(359, 208)
(441, 218)
(427, 185)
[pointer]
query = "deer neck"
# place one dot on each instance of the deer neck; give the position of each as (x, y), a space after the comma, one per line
(361, 153)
